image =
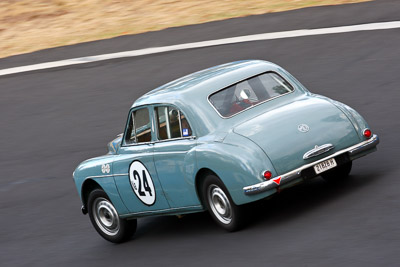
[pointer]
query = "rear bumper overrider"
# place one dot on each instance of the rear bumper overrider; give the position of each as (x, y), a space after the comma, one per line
(352, 151)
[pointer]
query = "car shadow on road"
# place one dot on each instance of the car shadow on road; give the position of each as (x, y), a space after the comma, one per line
(284, 206)
(304, 198)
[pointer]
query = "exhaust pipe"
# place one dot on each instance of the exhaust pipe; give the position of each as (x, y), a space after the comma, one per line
(84, 210)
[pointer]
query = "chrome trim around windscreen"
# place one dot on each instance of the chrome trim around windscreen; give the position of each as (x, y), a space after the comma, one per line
(296, 173)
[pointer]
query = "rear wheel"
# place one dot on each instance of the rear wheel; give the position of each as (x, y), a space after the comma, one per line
(339, 173)
(220, 205)
(106, 220)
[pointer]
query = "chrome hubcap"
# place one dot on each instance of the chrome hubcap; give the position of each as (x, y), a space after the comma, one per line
(219, 204)
(106, 216)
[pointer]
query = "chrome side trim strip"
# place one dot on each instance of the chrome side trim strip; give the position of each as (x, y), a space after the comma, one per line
(107, 175)
(159, 211)
(289, 176)
(169, 152)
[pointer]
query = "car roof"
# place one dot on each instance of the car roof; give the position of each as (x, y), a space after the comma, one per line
(201, 84)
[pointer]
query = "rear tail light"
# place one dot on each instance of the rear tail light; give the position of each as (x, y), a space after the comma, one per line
(367, 133)
(267, 175)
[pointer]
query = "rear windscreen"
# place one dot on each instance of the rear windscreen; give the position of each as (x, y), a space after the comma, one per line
(248, 93)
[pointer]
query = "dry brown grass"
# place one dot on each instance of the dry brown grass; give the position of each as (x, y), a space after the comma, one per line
(29, 25)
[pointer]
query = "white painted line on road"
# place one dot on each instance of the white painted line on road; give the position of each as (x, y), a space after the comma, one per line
(233, 40)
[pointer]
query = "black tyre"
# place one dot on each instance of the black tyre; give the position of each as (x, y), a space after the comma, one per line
(106, 220)
(220, 205)
(339, 173)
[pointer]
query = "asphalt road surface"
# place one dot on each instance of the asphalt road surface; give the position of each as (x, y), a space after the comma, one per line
(53, 119)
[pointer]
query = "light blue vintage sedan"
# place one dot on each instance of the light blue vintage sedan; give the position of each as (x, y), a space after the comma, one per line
(215, 140)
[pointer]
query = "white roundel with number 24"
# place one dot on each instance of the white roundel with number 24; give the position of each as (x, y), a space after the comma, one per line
(142, 183)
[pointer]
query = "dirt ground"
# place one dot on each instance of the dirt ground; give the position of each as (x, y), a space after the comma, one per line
(30, 25)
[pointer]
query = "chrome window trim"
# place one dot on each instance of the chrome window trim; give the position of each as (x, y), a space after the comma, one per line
(180, 122)
(193, 137)
(138, 144)
(267, 100)
(134, 124)
(175, 139)
(167, 124)
(296, 173)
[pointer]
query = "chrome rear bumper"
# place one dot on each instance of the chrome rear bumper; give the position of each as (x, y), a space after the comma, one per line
(289, 176)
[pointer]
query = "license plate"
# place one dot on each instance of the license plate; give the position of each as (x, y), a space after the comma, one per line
(325, 165)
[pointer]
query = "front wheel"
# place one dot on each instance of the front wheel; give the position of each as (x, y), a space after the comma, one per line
(220, 205)
(105, 219)
(339, 173)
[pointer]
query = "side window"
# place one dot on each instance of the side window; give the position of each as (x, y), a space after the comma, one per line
(139, 127)
(171, 123)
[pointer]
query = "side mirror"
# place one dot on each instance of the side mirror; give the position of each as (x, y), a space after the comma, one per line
(115, 144)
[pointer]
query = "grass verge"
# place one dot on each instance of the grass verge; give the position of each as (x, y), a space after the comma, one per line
(30, 25)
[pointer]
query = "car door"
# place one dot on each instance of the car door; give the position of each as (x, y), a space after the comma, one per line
(174, 160)
(136, 176)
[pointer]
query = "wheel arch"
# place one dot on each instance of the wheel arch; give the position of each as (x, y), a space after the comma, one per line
(107, 184)
(200, 176)
(88, 186)
(237, 162)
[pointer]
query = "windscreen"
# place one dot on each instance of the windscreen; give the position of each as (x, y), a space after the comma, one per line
(248, 93)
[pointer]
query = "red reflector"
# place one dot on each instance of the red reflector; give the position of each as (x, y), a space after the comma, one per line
(367, 133)
(267, 175)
